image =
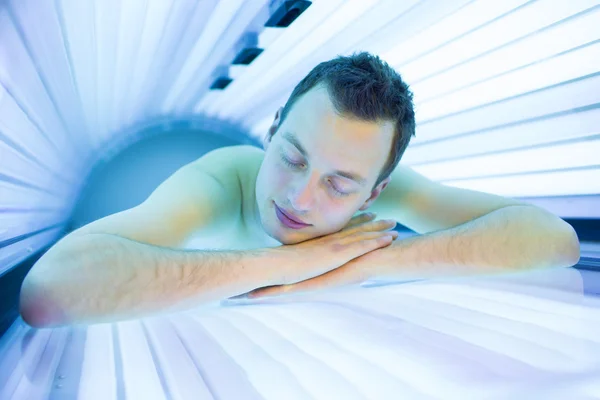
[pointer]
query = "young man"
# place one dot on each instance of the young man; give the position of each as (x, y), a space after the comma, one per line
(290, 217)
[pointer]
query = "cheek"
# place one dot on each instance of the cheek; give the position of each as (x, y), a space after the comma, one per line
(275, 177)
(279, 178)
(335, 214)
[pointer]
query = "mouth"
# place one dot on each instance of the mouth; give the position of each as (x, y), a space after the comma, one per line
(289, 220)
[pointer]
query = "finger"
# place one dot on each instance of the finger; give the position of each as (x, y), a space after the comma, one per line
(360, 219)
(369, 241)
(271, 291)
(362, 238)
(372, 226)
(366, 236)
(239, 297)
(373, 243)
(333, 279)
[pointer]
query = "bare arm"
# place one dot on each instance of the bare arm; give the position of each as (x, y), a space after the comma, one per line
(102, 278)
(125, 264)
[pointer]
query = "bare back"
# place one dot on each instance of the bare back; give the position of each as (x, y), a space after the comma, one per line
(208, 203)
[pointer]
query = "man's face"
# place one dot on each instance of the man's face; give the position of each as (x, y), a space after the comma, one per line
(319, 169)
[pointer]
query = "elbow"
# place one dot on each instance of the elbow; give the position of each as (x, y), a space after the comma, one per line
(39, 298)
(38, 309)
(560, 243)
(565, 247)
(572, 249)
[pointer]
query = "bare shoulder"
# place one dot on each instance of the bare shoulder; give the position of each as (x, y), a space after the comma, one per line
(232, 164)
(235, 167)
(244, 162)
(227, 159)
(248, 160)
(202, 197)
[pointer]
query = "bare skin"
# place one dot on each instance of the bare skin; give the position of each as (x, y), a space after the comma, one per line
(213, 230)
(194, 241)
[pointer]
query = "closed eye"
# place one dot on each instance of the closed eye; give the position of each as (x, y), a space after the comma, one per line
(332, 186)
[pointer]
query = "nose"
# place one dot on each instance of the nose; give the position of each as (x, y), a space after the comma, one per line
(301, 198)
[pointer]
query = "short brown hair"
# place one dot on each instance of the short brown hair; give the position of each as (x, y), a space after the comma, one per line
(365, 87)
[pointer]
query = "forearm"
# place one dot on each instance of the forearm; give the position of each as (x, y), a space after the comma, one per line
(507, 240)
(101, 278)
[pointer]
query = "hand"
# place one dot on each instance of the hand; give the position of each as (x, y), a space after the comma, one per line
(317, 256)
(350, 274)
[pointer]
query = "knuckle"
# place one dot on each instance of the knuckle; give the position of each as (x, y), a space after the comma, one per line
(364, 245)
(338, 247)
(368, 242)
(384, 239)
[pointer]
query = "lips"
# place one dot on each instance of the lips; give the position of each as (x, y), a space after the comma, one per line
(288, 220)
(291, 216)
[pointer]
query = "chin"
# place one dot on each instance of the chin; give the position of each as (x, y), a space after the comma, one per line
(274, 229)
(284, 236)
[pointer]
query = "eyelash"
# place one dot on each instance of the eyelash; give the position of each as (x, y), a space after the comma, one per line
(297, 165)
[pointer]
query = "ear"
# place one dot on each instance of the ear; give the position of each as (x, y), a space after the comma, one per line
(375, 193)
(272, 129)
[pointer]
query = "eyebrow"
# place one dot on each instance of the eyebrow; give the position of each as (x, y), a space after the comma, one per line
(290, 137)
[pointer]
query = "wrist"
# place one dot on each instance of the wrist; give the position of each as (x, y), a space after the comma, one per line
(269, 264)
(381, 263)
